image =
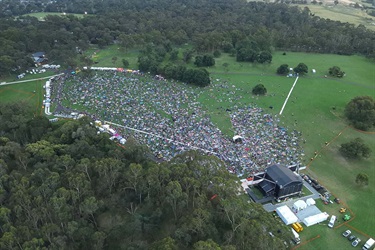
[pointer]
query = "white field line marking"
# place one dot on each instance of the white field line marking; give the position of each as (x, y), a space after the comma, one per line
(287, 98)
(30, 80)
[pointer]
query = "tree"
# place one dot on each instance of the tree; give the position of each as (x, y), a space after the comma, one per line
(175, 197)
(217, 53)
(301, 69)
(360, 112)
(362, 179)
(204, 61)
(247, 55)
(206, 245)
(355, 149)
(283, 69)
(173, 55)
(114, 59)
(335, 71)
(187, 55)
(259, 90)
(125, 63)
(126, 41)
(6, 64)
(226, 66)
(199, 77)
(164, 244)
(265, 57)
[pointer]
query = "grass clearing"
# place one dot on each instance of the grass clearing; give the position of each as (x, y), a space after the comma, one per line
(342, 13)
(29, 92)
(104, 57)
(41, 15)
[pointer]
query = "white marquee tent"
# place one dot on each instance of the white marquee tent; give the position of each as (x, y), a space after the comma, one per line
(310, 202)
(315, 219)
(286, 215)
(299, 205)
(237, 138)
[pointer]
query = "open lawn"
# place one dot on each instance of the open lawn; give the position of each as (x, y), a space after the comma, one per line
(29, 92)
(42, 15)
(13, 78)
(343, 13)
(104, 57)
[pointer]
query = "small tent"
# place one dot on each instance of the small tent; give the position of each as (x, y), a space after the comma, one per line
(310, 202)
(315, 219)
(237, 138)
(286, 215)
(299, 205)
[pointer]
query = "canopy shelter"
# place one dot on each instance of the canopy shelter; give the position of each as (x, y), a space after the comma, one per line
(237, 138)
(310, 202)
(315, 219)
(286, 215)
(299, 205)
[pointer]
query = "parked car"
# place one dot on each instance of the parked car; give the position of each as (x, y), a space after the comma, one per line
(346, 233)
(356, 242)
(352, 237)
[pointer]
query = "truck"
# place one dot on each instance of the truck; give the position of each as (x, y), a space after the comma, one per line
(296, 238)
(369, 243)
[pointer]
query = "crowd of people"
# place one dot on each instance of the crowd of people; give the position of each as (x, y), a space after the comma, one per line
(171, 111)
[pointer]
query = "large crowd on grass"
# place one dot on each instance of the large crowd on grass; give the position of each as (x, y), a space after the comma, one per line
(174, 120)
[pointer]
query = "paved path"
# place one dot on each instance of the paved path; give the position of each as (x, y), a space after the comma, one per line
(269, 207)
(30, 80)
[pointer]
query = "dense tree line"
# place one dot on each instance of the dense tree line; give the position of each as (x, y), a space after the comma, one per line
(248, 30)
(63, 186)
(151, 60)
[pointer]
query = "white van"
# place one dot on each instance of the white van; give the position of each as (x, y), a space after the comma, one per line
(332, 221)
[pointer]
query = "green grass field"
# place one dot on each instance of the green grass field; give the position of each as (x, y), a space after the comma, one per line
(315, 108)
(343, 13)
(28, 92)
(42, 15)
(104, 57)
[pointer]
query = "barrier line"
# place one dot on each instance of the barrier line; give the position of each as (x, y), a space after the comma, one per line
(161, 137)
(326, 145)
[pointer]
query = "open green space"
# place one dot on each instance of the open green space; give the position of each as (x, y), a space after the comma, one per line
(28, 92)
(343, 13)
(42, 15)
(105, 57)
(13, 78)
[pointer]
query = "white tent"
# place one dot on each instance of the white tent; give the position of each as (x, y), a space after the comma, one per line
(286, 215)
(315, 219)
(237, 138)
(310, 202)
(299, 205)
